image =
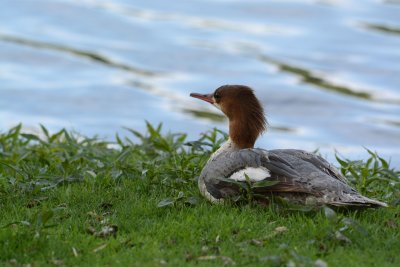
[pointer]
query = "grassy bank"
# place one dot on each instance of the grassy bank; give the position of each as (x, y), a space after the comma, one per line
(67, 200)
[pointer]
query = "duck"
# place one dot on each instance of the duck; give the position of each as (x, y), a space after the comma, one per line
(296, 176)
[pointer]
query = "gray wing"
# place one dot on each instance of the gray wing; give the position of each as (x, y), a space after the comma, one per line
(315, 160)
(296, 172)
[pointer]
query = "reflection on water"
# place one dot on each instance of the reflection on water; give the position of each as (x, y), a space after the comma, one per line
(206, 114)
(326, 71)
(81, 53)
(383, 28)
(311, 78)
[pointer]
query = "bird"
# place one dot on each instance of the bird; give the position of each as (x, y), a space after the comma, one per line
(296, 176)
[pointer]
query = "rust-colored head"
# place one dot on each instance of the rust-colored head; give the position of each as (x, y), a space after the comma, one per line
(244, 111)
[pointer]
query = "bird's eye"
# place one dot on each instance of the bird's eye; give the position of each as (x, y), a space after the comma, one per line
(217, 96)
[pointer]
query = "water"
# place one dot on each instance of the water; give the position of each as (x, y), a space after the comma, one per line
(327, 72)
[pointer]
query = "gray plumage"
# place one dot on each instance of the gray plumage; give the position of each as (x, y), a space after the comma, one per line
(302, 177)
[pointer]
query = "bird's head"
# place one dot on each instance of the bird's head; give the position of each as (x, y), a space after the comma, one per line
(243, 109)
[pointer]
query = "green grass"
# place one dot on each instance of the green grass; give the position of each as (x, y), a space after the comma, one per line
(67, 200)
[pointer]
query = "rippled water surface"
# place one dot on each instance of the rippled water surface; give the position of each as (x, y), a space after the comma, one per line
(327, 72)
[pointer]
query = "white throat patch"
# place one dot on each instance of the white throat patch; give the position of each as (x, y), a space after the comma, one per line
(215, 104)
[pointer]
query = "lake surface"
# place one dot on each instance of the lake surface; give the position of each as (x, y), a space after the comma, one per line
(327, 71)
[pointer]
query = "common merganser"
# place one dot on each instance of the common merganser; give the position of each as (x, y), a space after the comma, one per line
(299, 177)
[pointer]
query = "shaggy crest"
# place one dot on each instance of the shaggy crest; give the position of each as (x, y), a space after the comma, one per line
(245, 113)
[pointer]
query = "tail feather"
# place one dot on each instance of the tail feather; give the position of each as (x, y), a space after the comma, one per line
(360, 201)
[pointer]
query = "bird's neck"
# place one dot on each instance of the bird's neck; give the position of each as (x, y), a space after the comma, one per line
(243, 133)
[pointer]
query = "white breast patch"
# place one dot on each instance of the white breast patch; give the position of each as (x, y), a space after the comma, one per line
(255, 174)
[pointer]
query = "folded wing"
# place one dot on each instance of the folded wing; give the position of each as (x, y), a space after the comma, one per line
(295, 173)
